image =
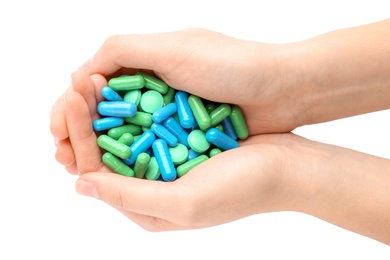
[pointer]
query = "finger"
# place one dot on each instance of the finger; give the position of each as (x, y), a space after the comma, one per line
(133, 51)
(139, 196)
(58, 119)
(81, 134)
(64, 153)
(89, 88)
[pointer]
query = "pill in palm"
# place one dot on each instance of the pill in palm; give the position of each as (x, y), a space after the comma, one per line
(150, 130)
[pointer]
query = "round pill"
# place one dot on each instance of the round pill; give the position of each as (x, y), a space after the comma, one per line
(179, 154)
(151, 101)
(197, 141)
(133, 96)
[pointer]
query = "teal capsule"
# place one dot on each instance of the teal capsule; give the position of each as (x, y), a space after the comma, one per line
(219, 114)
(154, 83)
(113, 146)
(200, 113)
(141, 119)
(141, 165)
(127, 82)
(187, 166)
(238, 122)
(117, 132)
(117, 165)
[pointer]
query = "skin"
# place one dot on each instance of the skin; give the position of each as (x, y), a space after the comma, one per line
(279, 88)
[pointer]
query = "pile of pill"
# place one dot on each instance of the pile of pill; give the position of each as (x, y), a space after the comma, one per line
(149, 130)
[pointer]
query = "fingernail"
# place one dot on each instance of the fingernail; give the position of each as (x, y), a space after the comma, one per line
(86, 189)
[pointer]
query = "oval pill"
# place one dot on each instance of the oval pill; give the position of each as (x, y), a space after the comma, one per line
(220, 139)
(186, 118)
(238, 122)
(154, 83)
(141, 165)
(110, 94)
(117, 108)
(197, 141)
(179, 154)
(106, 123)
(151, 101)
(164, 112)
(133, 96)
(153, 171)
(127, 82)
(117, 165)
(187, 166)
(164, 134)
(113, 146)
(200, 113)
(164, 160)
(220, 113)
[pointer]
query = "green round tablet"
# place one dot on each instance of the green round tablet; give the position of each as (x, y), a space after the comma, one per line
(133, 96)
(151, 101)
(179, 154)
(197, 141)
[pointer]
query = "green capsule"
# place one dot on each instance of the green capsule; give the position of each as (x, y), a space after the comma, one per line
(200, 113)
(168, 97)
(141, 119)
(210, 106)
(238, 122)
(117, 132)
(127, 82)
(117, 165)
(219, 114)
(113, 146)
(214, 152)
(186, 167)
(141, 165)
(126, 139)
(154, 83)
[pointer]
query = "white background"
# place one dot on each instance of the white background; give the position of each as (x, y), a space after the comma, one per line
(42, 217)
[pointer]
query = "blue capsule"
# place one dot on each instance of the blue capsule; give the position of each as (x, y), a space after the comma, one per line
(164, 112)
(164, 134)
(186, 117)
(164, 160)
(175, 128)
(110, 94)
(106, 123)
(220, 139)
(228, 128)
(142, 144)
(192, 154)
(117, 108)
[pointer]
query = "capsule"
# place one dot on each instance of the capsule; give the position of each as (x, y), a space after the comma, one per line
(164, 134)
(110, 94)
(187, 166)
(141, 119)
(141, 165)
(186, 118)
(106, 123)
(164, 112)
(126, 138)
(220, 139)
(164, 160)
(117, 165)
(238, 122)
(169, 96)
(117, 108)
(200, 113)
(153, 171)
(154, 83)
(113, 146)
(220, 113)
(127, 82)
(175, 128)
(228, 128)
(117, 132)
(140, 145)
